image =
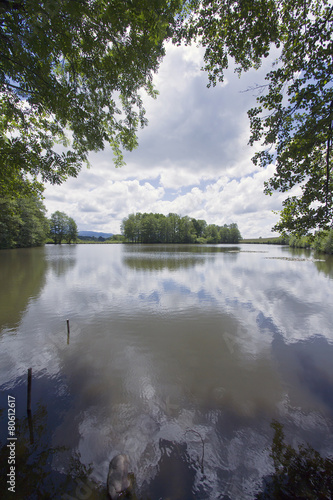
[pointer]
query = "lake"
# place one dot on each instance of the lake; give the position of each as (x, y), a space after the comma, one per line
(178, 356)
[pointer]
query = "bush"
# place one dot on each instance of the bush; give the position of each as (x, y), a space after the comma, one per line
(323, 242)
(303, 242)
(328, 243)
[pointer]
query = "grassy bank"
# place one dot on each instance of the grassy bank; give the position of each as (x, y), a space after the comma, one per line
(267, 241)
(321, 242)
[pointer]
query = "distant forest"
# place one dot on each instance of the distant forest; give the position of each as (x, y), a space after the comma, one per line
(159, 228)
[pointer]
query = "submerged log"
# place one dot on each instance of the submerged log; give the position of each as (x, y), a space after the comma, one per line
(118, 480)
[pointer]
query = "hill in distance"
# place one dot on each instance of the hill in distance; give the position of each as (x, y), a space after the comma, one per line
(94, 233)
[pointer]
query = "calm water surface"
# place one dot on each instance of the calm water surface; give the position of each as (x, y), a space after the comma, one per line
(179, 356)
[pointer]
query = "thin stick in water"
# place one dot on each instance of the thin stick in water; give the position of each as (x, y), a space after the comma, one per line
(29, 390)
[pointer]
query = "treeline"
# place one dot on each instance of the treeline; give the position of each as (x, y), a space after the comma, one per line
(322, 241)
(115, 238)
(23, 223)
(92, 239)
(159, 228)
(278, 240)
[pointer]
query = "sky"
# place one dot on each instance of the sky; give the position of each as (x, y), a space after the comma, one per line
(193, 158)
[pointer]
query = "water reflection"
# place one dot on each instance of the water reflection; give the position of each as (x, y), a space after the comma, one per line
(172, 257)
(179, 249)
(324, 265)
(154, 263)
(35, 474)
(174, 352)
(61, 259)
(22, 274)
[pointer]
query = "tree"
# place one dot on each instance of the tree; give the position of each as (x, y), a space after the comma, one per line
(300, 123)
(234, 233)
(295, 107)
(157, 228)
(72, 232)
(149, 228)
(22, 222)
(224, 234)
(9, 222)
(34, 225)
(199, 227)
(212, 233)
(62, 228)
(174, 224)
(128, 228)
(186, 230)
(78, 66)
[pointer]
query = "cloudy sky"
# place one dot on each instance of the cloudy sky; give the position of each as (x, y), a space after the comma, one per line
(193, 158)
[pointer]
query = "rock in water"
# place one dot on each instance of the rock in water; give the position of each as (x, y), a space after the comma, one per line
(118, 481)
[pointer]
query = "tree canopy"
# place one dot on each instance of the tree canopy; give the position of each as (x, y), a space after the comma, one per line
(158, 228)
(72, 72)
(74, 66)
(63, 228)
(293, 118)
(23, 222)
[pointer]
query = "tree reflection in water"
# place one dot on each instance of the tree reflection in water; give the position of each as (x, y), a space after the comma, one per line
(302, 473)
(35, 478)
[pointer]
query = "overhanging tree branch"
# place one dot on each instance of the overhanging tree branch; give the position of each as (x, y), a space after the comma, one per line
(107, 48)
(328, 154)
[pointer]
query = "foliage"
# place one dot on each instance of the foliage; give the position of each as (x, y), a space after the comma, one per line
(222, 234)
(116, 238)
(303, 242)
(323, 242)
(63, 227)
(78, 66)
(301, 473)
(295, 107)
(280, 240)
(327, 245)
(22, 222)
(91, 239)
(158, 228)
(72, 232)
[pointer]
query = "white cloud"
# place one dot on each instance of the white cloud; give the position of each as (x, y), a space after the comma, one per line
(193, 159)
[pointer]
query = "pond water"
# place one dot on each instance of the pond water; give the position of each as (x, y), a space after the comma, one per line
(178, 356)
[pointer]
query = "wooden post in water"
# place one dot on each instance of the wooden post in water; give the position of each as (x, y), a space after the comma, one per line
(68, 331)
(31, 429)
(29, 390)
